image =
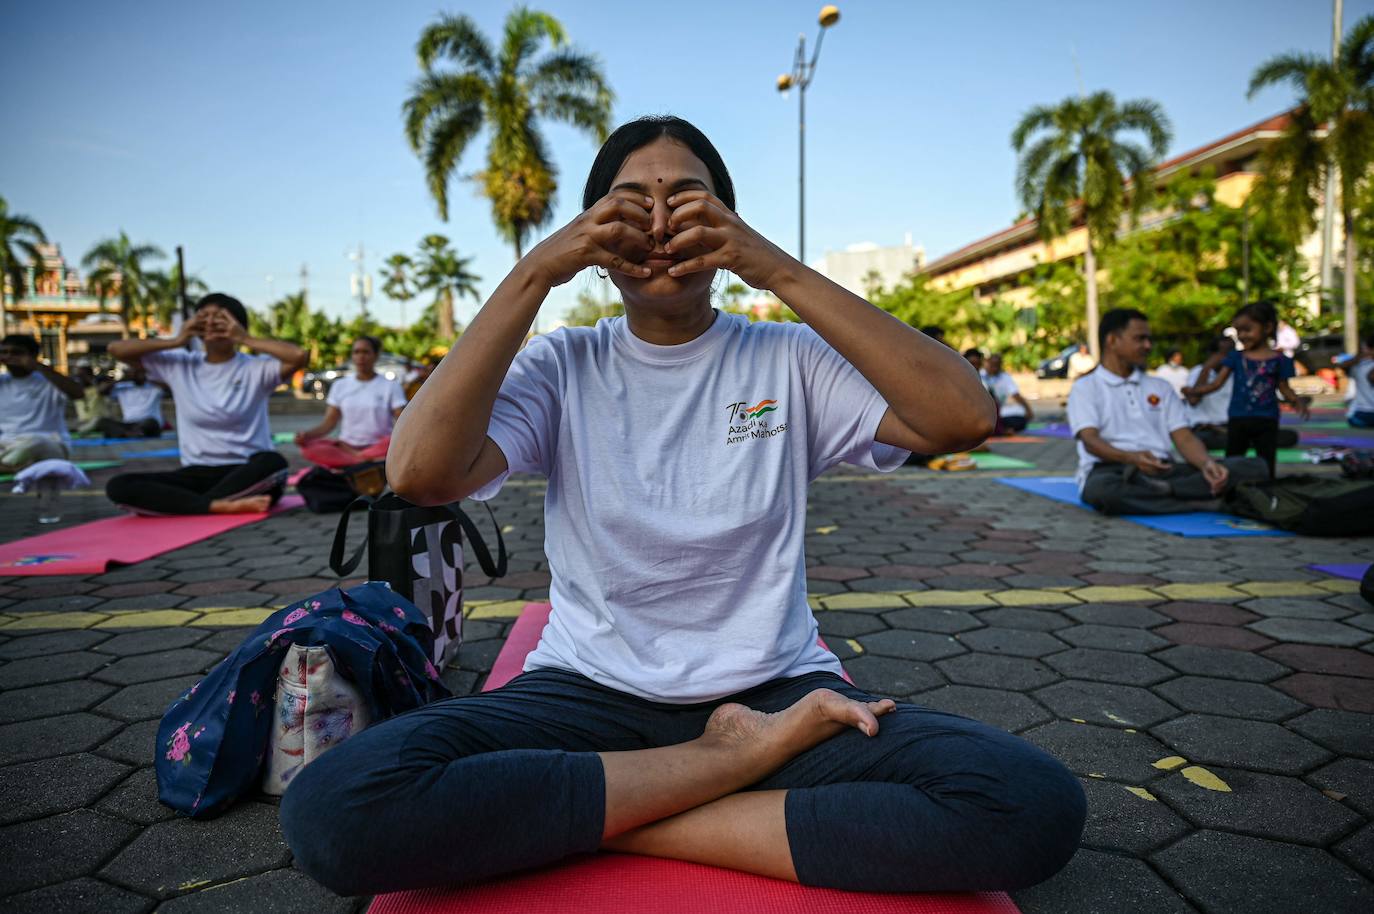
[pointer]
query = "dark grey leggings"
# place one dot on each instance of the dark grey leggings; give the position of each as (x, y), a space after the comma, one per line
(487, 784)
(190, 490)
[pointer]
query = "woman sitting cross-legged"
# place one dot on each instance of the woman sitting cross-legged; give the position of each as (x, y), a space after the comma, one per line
(227, 462)
(678, 704)
(366, 404)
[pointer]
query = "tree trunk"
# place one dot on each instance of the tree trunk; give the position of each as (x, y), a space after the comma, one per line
(1090, 284)
(4, 314)
(446, 315)
(518, 248)
(1351, 317)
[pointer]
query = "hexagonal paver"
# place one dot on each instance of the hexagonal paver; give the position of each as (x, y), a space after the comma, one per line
(1224, 696)
(1352, 778)
(1009, 711)
(911, 645)
(152, 641)
(1310, 631)
(1249, 743)
(1308, 816)
(1102, 883)
(161, 665)
(1312, 658)
(50, 736)
(1219, 661)
(48, 786)
(1295, 609)
(1261, 877)
(1109, 666)
(837, 623)
(1207, 613)
(167, 855)
(285, 890)
(995, 671)
(51, 643)
(1358, 850)
(134, 744)
(1223, 636)
(1125, 820)
(1037, 620)
(1341, 731)
(145, 700)
(1112, 638)
(136, 799)
(885, 676)
(1016, 642)
(931, 619)
(58, 848)
(83, 894)
(48, 700)
(34, 671)
(1088, 750)
(1106, 704)
(1128, 615)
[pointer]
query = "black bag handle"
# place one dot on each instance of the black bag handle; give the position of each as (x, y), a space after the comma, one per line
(336, 559)
(419, 516)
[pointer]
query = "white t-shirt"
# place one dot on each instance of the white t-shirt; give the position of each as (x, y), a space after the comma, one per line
(221, 406)
(1363, 401)
(1213, 409)
(1003, 388)
(1080, 363)
(31, 405)
(1132, 414)
(676, 503)
(365, 408)
(1176, 375)
(138, 402)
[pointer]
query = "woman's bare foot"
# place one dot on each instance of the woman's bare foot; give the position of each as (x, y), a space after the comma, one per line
(253, 504)
(771, 740)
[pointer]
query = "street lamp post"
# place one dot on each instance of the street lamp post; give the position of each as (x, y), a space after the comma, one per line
(802, 73)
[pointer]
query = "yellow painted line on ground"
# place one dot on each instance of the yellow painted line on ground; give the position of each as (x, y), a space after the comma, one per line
(228, 617)
(72, 620)
(1105, 594)
(1281, 589)
(857, 600)
(1339, 585)
(1033, 598)
(502, 609)
(1217, 593)
(152, 618)
(949, 598)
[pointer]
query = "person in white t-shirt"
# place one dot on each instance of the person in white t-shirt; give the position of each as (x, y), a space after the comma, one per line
(1360, 412)
(1080, 363)
(363, 405)
(678, 703)
(1173, 370)
(1128, 423)
(1013, 412)
(140, 407)
(33, 405)
(227, 462)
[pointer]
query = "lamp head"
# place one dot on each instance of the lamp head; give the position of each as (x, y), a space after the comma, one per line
(784, 82)
(830, 14)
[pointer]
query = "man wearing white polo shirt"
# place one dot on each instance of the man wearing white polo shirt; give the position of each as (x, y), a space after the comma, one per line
(1128, 423)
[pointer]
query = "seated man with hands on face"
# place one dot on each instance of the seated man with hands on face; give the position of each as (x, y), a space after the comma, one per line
(227, 462)
(1125, 422)
(33, 405)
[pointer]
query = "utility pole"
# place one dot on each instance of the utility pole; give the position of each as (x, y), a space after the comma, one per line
(359, 283)
(305, 281)
(803, 72)
(1329, 198)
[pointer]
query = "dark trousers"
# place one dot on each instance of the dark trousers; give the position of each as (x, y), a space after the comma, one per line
(478, 786)
(190, 490)
(1361, 419)
(144, 428)
(1010, 425)
(1259, 432)
(1115, 488)
(1214, 436)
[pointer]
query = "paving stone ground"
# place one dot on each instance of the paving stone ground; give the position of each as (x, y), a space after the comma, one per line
(1215, 696)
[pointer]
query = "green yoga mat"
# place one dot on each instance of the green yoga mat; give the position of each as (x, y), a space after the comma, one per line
(1284, 455)
(283, 437)
(1001, 462)
(84, 464)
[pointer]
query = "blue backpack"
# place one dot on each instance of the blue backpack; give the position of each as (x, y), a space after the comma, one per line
(211, 742)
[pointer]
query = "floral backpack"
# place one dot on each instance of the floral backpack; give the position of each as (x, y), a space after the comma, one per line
(213, 739)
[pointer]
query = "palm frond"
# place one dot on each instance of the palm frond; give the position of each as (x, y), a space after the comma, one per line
(439, 96)
(1292, 68)
(1357, 50)
(1149, 118)
(523, 31)
(1040, 117)
(444, 145)
(459, 39)
(1034, 162)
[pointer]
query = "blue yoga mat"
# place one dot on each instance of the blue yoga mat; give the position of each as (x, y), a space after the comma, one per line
(115, 442)
(1355, 571)
(1053, 430)
(160, 452)
(1197, 523)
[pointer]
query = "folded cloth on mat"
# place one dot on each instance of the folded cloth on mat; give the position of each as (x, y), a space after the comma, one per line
(67, 474)
(79, 464)
(606, 883)
(1197, 523)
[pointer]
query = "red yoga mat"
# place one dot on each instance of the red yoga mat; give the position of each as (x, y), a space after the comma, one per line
(92, 548)
(606, 883)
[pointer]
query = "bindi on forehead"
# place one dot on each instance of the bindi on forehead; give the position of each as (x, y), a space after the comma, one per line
(660, 180)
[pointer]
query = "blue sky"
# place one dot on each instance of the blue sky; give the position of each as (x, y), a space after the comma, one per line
(267, 135)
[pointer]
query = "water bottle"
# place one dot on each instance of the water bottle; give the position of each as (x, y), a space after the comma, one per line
(49, 500)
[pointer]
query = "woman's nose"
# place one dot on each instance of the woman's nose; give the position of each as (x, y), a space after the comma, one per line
(660, 215)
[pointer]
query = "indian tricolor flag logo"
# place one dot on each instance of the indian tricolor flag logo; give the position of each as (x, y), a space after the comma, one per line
(763, 407)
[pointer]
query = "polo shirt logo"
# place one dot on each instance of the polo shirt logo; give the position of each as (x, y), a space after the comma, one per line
(1153, 400)
(752, 421)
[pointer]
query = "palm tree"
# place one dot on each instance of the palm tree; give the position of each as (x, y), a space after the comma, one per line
(104, 284)
(1337, 95)
(507, 93)
(163, 289)
(398, 281)
(442, 271)
(1078, 168)
(18, 235)
(123, 256)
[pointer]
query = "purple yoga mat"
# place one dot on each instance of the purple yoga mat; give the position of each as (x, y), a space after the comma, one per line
(1354, 571)
(1363, 443)
(1052, 431)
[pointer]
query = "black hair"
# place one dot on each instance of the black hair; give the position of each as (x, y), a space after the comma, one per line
(1369, 339)
(1261, 312)
(1115, 321)
(21, 341)
(641, 132)
(973, 352)
(1171, 353)
(372, 341)
(1220, 342)
(228, 303)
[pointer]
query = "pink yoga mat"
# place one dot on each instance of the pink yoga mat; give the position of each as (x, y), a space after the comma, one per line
(606, 883)
(92, 548)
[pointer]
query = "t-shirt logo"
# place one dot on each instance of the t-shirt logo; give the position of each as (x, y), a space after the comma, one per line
(752, 421)
(1153, 400)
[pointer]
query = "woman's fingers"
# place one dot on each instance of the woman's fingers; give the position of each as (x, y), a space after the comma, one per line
(601, 257)
(694, 212)
(712, 261)
(622, 238)
(632, 209)
(702, 236)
